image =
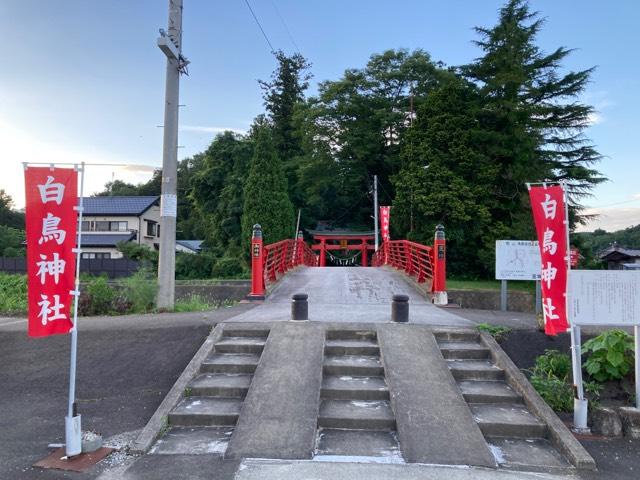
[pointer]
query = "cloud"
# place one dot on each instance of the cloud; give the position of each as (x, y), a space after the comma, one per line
(205, 129)
(594, 118)
(611, 219)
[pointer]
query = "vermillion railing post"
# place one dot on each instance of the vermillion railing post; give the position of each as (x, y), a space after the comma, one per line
(257, 263)
(300, 249)
(439, 286)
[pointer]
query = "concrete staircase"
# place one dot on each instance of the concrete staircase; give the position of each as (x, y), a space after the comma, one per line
(516, 437)
(213, 399)
(355, 417)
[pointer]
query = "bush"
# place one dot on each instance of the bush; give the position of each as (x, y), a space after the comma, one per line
(101, 296)
(553, 363)
(609, 355)
(496, 331)
(147, 257)
(228, 267)
(190, 266)
(556, 392)
(13, 293)
(139, 290)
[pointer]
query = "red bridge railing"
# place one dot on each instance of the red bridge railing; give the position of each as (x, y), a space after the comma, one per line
(423, 262)
(271, 262)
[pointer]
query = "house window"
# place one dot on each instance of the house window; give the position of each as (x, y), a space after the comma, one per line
(101, 226)
(91, 255)
(158, 230)
(118, 226)
(151, 228)
(86, 226)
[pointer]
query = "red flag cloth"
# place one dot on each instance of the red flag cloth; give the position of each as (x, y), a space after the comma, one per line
(51, 221)
(547, 204)
(385, 213)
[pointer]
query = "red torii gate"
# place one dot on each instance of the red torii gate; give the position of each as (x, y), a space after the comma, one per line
(342, 240)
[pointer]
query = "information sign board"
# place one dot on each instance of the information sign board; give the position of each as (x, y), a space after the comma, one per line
(604, 297)
(517, 260)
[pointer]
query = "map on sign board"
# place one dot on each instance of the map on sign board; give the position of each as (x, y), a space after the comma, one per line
(517, 260)
(604, 297)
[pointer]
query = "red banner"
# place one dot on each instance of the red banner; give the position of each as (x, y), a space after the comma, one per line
(547, 204)
(385, 213)
(51, 221)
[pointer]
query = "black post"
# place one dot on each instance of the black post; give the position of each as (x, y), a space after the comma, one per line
(299, 306)
(400, 308)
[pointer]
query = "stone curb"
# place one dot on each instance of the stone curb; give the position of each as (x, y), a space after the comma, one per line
(158, 420)
(559, 434)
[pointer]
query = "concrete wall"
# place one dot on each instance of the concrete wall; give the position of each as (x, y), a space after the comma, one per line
(490, 300)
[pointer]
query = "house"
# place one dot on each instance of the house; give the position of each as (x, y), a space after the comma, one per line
(109, 220)
(189, 246)
(621, 258)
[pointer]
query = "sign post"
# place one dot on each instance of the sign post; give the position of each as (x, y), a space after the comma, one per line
(516, 260)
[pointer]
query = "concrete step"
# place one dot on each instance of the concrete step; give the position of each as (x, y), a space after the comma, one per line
(507, 420)
(463, 350)
(528, 455)
(230, 363)
(475, 391)
(346, 387)
(237, 331)
(193, 441)
(240, 345)
(351, 335)
(206, 411)
(351, 347)
(355, 365)
(475, 370)
(356, 414)
(457, 336)
(358, 443)
(220, 385)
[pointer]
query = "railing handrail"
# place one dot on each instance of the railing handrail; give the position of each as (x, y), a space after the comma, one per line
(282, 256)
(415, 259)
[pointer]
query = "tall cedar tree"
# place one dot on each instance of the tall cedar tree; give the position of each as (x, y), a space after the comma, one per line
(266, 200)
(533, 111)
(282, 94)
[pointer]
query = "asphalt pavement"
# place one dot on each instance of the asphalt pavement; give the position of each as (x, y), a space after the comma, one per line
(126, 365)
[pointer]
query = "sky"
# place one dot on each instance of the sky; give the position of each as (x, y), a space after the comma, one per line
(83, 80)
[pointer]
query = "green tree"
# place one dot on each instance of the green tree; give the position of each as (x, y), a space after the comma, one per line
(282, 94)
(447, 178)
(8, 215)
(217, 191)
(354, 126)
(533, 113)
(11, 242)
(266, 201)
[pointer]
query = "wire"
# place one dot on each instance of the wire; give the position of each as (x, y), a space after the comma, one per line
(260, 26)
(285, 26)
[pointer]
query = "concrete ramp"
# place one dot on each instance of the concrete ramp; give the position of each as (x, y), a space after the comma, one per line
(434, 423)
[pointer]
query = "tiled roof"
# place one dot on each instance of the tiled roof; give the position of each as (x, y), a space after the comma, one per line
(195, 245)
(629, 252)
(105, 239)
(117, 205)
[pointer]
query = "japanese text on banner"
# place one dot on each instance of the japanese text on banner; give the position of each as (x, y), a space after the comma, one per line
(51, 224)
(547, 204)
(384, 223)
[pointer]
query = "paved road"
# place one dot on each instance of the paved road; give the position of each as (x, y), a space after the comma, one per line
(349, 294)
(126, 365)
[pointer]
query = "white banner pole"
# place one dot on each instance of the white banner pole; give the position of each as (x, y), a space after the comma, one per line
(73, 426)
(580, 405)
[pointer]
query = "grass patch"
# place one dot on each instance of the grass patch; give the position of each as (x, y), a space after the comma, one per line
(195, 303)
(496, 331)
(519, 286)
(13, 294)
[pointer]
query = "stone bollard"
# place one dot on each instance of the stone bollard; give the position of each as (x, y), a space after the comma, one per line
(299, 306)
(400, 308)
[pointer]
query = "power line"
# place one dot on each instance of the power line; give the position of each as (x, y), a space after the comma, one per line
(260, 26)
(275, 7)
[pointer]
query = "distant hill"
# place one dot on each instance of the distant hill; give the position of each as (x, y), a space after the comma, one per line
(599, 239)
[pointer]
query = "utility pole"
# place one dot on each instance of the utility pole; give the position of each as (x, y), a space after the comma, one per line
(170, 43)
(375, 210)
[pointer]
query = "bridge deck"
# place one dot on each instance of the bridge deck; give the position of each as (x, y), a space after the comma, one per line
(349, 294)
